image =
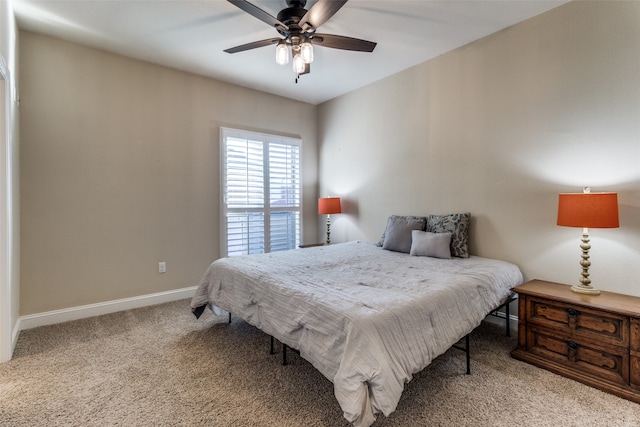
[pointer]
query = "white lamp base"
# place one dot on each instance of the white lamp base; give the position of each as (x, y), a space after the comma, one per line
(328, 229)
(585, 283)
(581, 289)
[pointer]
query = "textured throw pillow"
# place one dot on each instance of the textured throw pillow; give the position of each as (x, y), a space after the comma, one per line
(397, 235)
(436, 245)
(458, 224)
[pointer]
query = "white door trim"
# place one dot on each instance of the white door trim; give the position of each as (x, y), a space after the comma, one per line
(7, 340)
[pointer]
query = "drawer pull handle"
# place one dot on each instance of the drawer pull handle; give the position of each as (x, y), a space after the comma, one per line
(572, 350)
(573, 317)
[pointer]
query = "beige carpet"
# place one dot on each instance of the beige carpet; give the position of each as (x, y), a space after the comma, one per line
(159, 366)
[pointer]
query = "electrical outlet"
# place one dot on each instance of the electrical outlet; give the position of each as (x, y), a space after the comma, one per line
(162, 267)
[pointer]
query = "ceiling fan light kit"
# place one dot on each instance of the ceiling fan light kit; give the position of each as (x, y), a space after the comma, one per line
(306, 50)
(298, 64)
(297, 26)
(282, 52)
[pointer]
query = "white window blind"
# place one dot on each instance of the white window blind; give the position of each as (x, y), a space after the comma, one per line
(261, 192)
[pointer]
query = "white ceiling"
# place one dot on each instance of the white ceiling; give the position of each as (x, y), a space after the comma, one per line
(191, 36)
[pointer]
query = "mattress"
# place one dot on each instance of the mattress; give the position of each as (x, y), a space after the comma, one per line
(366, 318)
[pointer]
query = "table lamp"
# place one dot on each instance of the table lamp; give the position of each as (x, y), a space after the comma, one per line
(328, 206)
(587, 210)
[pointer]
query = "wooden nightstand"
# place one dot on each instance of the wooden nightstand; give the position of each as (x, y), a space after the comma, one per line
(591, 339)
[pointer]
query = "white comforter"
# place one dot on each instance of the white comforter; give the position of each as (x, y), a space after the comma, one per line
(365, 317)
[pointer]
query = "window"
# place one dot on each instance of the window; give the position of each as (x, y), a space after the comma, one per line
(261, 192)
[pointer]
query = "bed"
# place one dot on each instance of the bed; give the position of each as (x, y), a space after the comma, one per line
(366, 317)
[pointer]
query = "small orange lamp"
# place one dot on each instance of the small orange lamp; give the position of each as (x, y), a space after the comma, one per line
(328, 206)
(587, 210)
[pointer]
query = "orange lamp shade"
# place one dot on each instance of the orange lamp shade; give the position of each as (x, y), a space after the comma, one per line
(329, 205)
(588, 210)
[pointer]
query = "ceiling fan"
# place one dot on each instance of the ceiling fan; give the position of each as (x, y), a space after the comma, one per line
(297, 27)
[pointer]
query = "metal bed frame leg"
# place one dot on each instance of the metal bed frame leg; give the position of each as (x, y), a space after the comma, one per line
(272, 347)
(284, 354)
(467, 350)
(506, 312)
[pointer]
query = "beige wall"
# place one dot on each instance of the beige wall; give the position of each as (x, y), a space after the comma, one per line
(499, 128)
(9, 179)
(119, 162)
(120, 171)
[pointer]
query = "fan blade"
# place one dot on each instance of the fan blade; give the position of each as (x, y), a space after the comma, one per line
(258, 13)
(320, 13)
(343, 42)
(253, 45)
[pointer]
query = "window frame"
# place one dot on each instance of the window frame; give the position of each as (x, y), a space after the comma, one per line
(267, 210)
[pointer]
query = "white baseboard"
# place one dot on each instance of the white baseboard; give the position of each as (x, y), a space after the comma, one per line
(84, 311)
(15, 334)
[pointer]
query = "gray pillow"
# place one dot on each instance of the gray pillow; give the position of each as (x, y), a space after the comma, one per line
(458, 224)
(434, 245)
(397, 217)
(397, 235)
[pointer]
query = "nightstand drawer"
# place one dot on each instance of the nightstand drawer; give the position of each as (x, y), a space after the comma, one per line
(611, 364)
(635, 371)
(579, 322)
(635, 353)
